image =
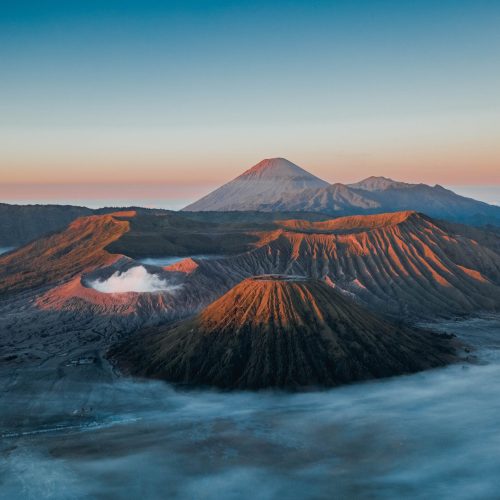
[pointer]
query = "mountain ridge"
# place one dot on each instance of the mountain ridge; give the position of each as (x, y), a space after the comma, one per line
(404, 264)
(375, 194)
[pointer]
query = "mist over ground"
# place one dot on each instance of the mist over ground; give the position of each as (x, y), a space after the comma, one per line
(429, 435)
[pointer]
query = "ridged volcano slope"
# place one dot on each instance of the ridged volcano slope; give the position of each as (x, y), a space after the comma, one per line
(272, 331)
(401, 263)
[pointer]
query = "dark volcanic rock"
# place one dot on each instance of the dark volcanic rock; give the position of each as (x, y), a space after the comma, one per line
(286, 332)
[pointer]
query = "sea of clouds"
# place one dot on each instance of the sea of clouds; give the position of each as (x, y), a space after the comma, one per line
(433, 434)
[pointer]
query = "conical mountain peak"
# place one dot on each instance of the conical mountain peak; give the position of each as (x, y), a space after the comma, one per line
(259, 187)
(282, 331)
(278, 168)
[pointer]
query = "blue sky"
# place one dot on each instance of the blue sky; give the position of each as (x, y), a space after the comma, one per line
(100, 91)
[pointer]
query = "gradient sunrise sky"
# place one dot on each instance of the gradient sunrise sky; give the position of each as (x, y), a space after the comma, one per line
(157, 102)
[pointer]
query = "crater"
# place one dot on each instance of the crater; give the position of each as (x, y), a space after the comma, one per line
(135, 279)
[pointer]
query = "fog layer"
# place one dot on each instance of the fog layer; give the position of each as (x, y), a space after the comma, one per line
(431, 435)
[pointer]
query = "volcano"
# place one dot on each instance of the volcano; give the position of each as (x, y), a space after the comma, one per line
(404, 264)
(278, 185)
(285, 332)
(260, 186)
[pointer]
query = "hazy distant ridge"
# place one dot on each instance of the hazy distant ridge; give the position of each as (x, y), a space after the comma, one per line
(279, 185)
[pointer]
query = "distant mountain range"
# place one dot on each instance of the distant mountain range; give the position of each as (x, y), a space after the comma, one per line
(278, 185)
(273, 189)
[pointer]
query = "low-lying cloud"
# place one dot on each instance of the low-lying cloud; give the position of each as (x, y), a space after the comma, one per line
(427, 435)
(135, 279)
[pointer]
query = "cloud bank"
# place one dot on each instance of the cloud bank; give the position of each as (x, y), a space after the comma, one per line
(135, 279)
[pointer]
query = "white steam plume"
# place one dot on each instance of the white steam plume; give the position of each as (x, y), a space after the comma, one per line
(135, 279)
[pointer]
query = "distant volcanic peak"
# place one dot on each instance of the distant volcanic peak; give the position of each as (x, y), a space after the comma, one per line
(259, 188)
(279, 168)
(379, 183)
(275, 331)
(278, 185)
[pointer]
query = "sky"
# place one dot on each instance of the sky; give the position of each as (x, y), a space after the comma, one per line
(157, 102)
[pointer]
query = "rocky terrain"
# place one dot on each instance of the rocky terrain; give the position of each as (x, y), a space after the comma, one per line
(51, 315)
(282, 331)
(404, 265)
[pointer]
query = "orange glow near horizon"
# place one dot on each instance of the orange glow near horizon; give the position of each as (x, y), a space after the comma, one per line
(476, 168)
(168, 94)
(410, 151)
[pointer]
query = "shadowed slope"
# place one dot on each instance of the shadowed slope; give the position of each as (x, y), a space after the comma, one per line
(435, 201)
(285, 332)
(20, 224)
(335, 198)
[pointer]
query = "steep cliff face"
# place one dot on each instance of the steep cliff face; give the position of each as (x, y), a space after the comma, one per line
(282, 331)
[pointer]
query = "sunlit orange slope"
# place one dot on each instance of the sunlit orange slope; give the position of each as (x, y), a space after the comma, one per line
(275, 331)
